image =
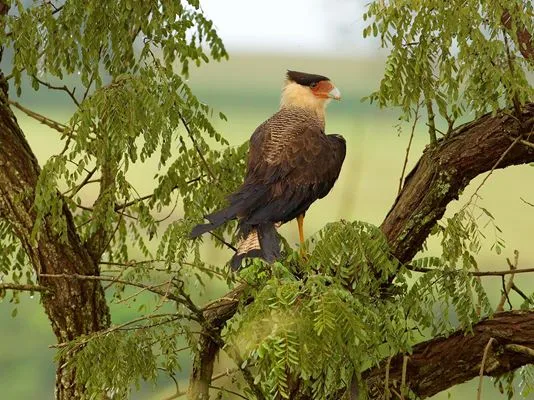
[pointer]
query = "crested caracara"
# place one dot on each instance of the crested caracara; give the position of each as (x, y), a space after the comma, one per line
(291, 163)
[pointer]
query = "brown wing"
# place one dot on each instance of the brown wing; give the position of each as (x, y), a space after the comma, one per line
(291, 164)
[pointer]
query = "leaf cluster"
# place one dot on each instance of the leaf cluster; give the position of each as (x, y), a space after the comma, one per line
(326, 319)
(453, 56)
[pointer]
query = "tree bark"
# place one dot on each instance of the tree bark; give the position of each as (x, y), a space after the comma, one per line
(441, 363)
(442, 172)
(74, 307)
(216, 314)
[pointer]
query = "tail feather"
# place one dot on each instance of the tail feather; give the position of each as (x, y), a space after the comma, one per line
(240, 202)
(215, 220)
(269, 242)
(260, 241)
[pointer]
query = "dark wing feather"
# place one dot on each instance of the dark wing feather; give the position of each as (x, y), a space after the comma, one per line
(293, 163)
(304, 171)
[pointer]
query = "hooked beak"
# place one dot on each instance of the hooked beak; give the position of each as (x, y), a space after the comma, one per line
(334, 93)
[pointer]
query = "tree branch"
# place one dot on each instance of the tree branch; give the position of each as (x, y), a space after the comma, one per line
(28, 288)
(441, 363)
(150, 288)
(477, 273)
(119, 207)
(444, 171)
(41, 118)
(63, 88)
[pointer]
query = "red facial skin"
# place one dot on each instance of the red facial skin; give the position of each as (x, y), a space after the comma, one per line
(321, 89)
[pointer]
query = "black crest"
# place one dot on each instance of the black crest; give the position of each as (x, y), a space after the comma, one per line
(304, 79)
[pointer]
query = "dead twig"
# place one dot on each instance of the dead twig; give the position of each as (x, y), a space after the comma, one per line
(41, 118)
(482, 367)
(497, 163)
(63, 88)
(23, 287)
(509, 285)
(416, 118)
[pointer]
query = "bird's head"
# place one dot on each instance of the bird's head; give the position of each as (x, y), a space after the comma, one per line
(308, 90)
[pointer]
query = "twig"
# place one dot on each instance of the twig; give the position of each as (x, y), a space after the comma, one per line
(507, 287)
(199, 152)
(175, 396)
(475, 273)
(228, 372)
(526, 202)
(431, 122)
(92, 74)
(63, 88)
(83, 183)
(246, 375)
(408, 148)
(125, 299)
(437, 130)
(180, 316)
(228, 391)
(220, 239)
(148, 196)
(134, 264)
(482, 367)
(120, 326)
(149, 288)
(521, 293)
(178, 392)
(77, 164)
(515, 99)
(478, 309)
(29, 288)
(41, 118)
(505, 152)
(527, 143)
(386, 380)
(119, 207)
(179, 285)
(403, 379)
(520, 349)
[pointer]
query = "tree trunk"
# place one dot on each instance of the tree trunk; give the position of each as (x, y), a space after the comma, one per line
(74, 307)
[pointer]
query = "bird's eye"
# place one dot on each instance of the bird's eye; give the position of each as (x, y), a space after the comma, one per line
(313, 85)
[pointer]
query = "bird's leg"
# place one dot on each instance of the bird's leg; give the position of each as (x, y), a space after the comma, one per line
(300, 222)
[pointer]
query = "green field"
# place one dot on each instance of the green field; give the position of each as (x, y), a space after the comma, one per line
(247, 89)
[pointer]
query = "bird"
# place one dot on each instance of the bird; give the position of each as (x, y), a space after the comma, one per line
(291, 163)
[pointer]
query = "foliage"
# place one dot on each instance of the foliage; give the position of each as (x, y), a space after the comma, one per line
(323, 320)
(127, 355)
(455, 57)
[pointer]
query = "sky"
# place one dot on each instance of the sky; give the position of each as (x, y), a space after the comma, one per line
(292, 26)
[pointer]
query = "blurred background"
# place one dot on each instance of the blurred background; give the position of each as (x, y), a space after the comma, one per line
(265, 39)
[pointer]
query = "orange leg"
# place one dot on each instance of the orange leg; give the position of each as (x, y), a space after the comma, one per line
(300, 222)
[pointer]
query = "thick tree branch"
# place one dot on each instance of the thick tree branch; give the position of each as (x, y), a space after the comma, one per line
(445, 170)
(440, 363)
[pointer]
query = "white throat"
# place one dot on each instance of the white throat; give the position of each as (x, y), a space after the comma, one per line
(295, 95)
